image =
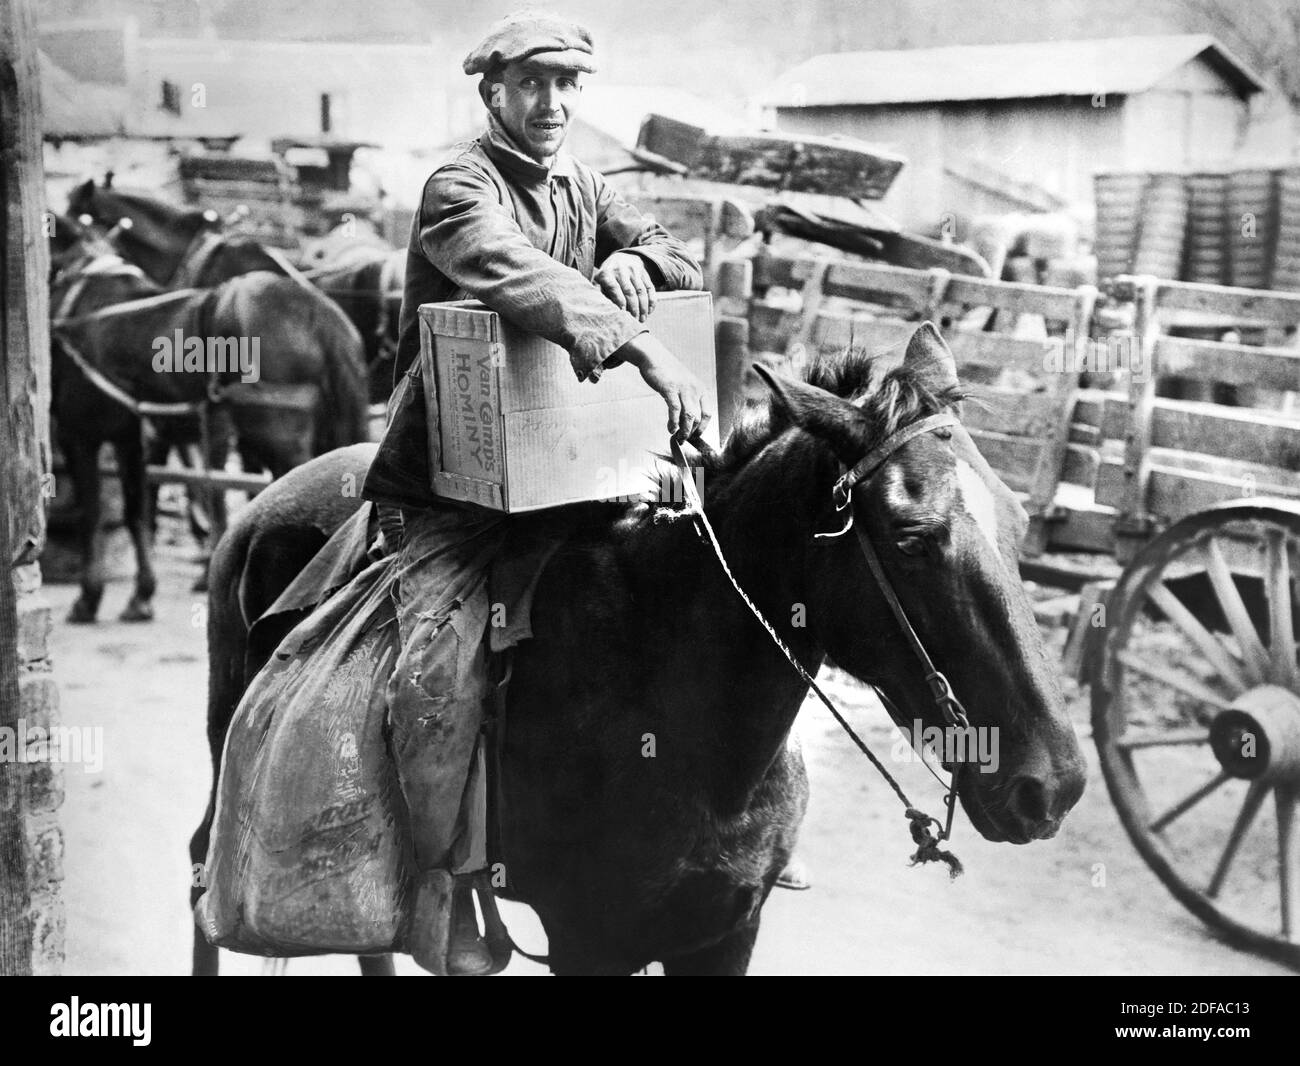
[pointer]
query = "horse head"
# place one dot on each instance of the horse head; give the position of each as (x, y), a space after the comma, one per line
(72, 242)
(143, 229)
(945, 530)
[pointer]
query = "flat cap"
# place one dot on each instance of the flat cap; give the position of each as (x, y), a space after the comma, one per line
(533, 35)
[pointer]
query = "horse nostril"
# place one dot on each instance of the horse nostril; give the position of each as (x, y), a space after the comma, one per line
(1070, 792)
(1029, 800)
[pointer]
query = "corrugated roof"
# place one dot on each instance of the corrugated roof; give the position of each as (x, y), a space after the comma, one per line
(1002, 71)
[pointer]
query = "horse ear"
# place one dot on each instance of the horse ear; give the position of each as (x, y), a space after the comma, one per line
(823, 414)
(928, 357)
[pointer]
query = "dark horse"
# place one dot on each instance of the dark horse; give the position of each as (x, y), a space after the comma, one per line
(629, 859)
(367, 283)
(308, 396)
(176, 246)
(179, 246)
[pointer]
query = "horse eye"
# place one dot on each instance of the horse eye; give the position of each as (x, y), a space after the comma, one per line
(912, 546)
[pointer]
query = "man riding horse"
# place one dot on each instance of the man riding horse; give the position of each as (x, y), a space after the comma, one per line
(518, 224)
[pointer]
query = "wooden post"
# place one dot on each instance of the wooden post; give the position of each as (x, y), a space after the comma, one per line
(735, 289)
(1056, 443)
(732, 347)
(1136, 524)
(31, 843)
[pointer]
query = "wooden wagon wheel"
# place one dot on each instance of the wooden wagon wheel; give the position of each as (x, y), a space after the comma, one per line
(1196, 715)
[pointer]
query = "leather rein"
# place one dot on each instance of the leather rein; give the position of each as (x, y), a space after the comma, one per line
(927, 832)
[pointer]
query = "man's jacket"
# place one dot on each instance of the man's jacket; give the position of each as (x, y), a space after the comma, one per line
(496, 226)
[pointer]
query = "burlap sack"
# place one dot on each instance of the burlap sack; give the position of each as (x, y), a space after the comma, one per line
(310, 845)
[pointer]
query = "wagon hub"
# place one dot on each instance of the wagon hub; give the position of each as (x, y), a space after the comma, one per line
(1258, 737)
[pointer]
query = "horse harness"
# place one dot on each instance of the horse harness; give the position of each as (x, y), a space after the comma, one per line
(207, 243)
(927, 833)
(923, 826)
(195, 259)
(383, 326)
(112, 265)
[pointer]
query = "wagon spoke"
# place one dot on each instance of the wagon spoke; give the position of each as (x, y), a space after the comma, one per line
(1281, 629)
(1288, 862)
(1227, 664)
(1175, 678)
(1252, 648)
(1245, 817)
(1162, 740)
(1187, 803)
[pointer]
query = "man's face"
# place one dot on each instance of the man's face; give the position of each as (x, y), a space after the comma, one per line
(534, 103)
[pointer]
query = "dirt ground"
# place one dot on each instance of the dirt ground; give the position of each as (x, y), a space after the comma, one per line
(1039, 909)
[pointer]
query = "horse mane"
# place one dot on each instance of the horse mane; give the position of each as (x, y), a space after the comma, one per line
(890, 401)
(158, 223)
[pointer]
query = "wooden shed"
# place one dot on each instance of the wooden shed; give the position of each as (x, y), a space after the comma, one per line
(992, 128)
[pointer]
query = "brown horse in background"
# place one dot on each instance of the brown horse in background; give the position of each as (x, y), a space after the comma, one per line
(176, 246)
(308, 396)
(179, 246)
(367, 284)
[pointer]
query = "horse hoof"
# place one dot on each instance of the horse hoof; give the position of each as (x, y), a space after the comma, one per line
(81, 614)
(137, 611)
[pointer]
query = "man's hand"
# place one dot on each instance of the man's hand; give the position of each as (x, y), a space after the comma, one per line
(668, 376)
(625, 280)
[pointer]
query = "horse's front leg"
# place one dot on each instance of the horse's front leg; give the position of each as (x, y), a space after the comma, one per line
(729, 957)
(214, 497)
(156, 449)
(83, 464)
(131, 469)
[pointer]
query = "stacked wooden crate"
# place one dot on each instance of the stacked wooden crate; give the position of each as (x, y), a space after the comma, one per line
(257, 196)
(1162, 227)
(1119, 209)
(1239, 228)
(1252, 223)
(1286, 256)
(1207, 229)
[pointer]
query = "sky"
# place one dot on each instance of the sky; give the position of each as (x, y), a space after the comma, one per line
(722, 50)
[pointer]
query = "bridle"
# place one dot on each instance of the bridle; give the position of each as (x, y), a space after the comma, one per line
(861, 473)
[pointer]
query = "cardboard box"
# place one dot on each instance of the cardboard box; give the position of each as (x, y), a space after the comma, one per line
(517, 431)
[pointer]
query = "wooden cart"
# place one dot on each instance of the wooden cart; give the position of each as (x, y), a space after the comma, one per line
(1194, 507)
